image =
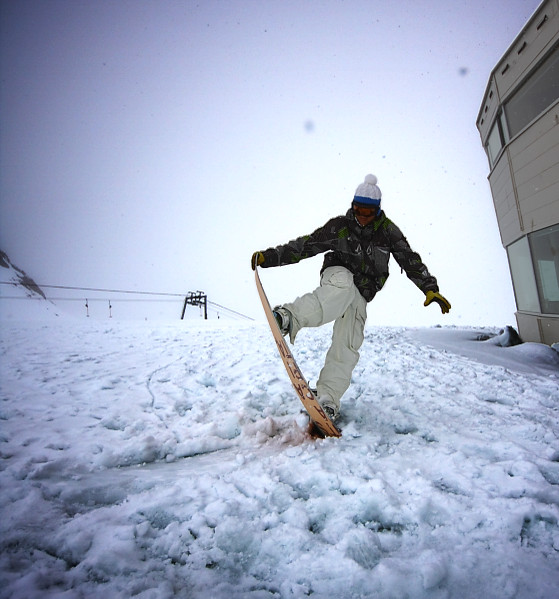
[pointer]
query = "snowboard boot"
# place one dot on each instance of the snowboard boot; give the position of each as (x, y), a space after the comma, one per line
(283, 318)
(330, 408)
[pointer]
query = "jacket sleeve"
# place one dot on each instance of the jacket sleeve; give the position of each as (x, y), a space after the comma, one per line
(320, 241)
(410, 261)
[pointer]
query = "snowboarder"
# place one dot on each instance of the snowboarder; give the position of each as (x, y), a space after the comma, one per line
(358, 247)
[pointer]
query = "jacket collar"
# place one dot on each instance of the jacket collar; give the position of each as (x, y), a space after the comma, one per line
(371, 226)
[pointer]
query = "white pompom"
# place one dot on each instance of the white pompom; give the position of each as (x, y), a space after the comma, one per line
(371, 179)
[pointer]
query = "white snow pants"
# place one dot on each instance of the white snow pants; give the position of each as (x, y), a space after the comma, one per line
(337, 299)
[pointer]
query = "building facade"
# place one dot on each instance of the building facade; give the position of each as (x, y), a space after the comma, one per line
(519, 127)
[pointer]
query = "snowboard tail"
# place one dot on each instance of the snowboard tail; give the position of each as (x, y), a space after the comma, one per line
(304, 392)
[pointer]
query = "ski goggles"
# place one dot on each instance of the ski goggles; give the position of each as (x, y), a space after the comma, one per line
(365, 211)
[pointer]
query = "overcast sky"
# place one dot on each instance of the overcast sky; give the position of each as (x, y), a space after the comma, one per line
(154, 145)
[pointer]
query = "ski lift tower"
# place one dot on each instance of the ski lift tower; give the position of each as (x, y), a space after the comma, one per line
(196, 298)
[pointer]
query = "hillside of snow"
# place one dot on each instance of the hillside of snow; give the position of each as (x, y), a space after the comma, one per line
(20, 296)
(159, 461)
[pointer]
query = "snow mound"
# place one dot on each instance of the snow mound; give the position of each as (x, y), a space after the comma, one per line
(494, 347)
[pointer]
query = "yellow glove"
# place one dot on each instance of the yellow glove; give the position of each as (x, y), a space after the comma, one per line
(437, 297)
(256, 260)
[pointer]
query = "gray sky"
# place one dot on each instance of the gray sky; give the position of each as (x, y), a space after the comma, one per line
(155, 145)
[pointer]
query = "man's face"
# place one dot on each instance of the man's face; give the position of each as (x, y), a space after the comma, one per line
(364, 215)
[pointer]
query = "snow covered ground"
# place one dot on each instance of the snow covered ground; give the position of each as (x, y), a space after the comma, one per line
(171, 460)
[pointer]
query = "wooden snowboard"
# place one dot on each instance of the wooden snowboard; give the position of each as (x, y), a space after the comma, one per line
(307, 397)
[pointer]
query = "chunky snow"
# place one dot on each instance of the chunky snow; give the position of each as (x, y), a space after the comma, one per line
(158, 461)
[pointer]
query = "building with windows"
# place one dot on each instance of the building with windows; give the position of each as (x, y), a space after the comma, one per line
(519, 126)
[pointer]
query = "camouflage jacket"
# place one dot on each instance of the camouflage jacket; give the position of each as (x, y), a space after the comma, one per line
(365, 251)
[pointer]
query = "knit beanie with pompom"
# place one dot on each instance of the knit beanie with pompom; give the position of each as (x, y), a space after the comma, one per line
(368, 194)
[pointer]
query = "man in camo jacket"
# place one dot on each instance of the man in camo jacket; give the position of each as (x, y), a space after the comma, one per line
(358, 247)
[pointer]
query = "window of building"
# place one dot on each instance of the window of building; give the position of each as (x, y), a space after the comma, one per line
(544, 246)
(494, 143)
(538, 92)
(497, 138)
(523, 278)
(534, 265)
